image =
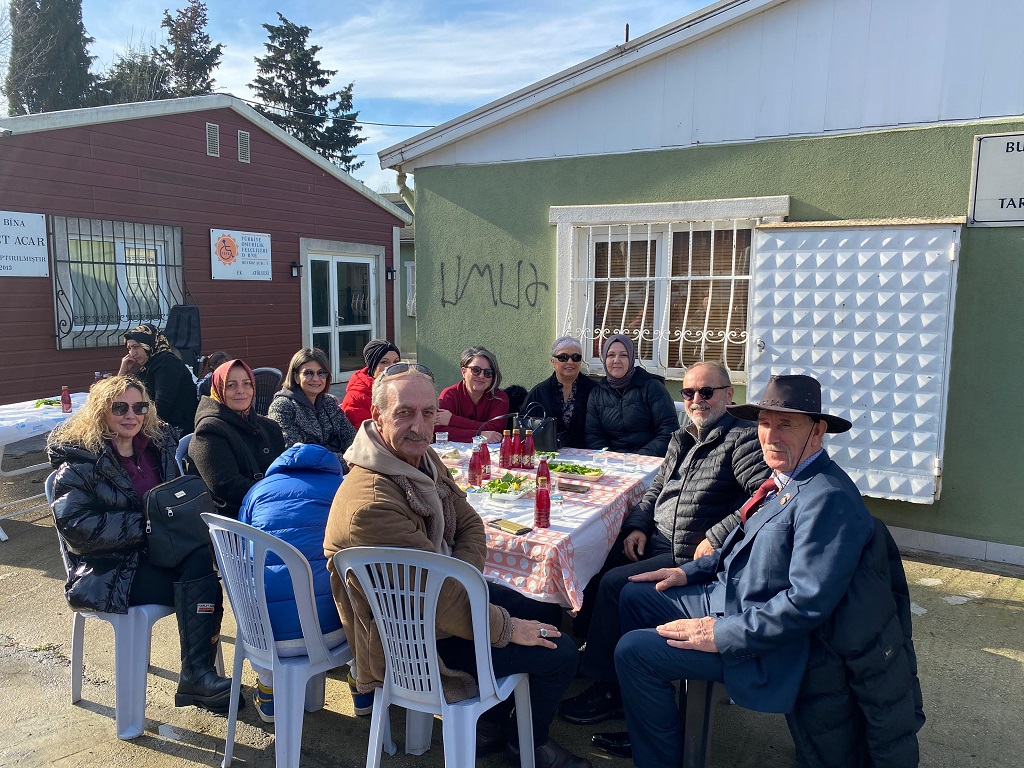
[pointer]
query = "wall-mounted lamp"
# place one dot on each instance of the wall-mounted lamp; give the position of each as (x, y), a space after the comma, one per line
(390, 273)
(296, 269)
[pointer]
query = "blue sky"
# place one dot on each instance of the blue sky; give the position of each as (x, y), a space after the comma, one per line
(416, 62)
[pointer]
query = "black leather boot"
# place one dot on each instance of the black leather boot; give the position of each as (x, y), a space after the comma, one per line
(195, 603)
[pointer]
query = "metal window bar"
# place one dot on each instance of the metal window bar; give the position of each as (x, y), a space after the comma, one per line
(593, 293)
(109, 276)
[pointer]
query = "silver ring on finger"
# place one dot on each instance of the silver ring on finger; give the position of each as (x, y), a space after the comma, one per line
(543, 632)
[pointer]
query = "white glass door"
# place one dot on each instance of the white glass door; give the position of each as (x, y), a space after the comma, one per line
(343, 309)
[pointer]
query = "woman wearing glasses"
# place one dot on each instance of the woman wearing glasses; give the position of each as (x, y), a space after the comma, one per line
(305, 408)
(564, 394)
(476, 405)
(629, 410)
(107, 455)
(378, 354)
(233, 445)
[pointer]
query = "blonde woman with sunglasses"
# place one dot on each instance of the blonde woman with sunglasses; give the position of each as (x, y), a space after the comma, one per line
(476, 405)
(564, 394)
(107, 456)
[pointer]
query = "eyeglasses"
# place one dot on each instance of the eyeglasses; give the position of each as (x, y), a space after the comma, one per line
(397, 368)
(120, 408)
(308, 374)
(564, 358)
(706, 393)
(476, 370)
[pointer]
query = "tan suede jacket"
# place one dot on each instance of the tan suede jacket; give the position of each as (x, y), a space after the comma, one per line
(370, 509)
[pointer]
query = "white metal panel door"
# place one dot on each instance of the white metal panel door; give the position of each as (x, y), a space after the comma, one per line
(868, 311)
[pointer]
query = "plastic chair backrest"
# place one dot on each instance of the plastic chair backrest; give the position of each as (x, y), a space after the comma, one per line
(242, 554)
(268, 382)
(402, 587)
(48, 490)
(184, 333)
(181, 452)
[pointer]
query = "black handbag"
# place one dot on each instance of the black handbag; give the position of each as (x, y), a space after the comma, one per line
(545, 429)
(173, 526)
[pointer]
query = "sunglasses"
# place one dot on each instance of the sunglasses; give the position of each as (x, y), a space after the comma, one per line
(564, 358)
(706, 393)
(397, 368)
(120, 408)
(308, 374)
(476, 370)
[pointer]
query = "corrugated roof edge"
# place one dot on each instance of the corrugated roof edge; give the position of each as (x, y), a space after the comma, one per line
(77, 118)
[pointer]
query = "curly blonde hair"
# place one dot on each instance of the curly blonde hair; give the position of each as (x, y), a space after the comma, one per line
(88, 426)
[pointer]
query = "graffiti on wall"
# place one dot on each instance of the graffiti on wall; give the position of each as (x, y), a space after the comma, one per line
(509, 287)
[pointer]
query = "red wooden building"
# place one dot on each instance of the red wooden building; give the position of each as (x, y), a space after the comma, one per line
(199, 201)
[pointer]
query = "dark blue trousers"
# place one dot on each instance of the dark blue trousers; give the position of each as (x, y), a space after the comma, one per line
(647, 665)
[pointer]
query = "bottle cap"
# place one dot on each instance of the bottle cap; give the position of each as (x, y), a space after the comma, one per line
(529, 431)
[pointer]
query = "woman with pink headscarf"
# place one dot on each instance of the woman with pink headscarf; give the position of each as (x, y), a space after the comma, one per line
(233, 445)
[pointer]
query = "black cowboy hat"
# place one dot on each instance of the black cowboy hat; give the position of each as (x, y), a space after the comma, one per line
(791, 394)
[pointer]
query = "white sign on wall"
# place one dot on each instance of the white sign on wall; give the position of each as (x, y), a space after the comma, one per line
(238, 255)
(23, 245)
(997, 186)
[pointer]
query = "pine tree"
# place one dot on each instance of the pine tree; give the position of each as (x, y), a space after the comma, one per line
(49, 67)
(190, 55)
(289, 80)
(135, 75)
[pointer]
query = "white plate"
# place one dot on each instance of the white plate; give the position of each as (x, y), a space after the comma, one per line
(507, 497)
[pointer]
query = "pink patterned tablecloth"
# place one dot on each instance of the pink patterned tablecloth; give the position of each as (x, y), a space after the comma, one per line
(555, 564)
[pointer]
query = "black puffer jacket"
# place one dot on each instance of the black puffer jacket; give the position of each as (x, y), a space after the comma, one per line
(639, 420)
(100, 517)
(701, 485)
(231, 452)
(172, 390)
(320, 423)
(860, 703)
(545, 393)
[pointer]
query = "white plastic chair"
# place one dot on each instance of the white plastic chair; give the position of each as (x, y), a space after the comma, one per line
(299, 681)
(182, 451)
(402, 587)
(132, 636)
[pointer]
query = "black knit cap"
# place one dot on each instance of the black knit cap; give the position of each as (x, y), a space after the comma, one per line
(374, 352)
(791, 394)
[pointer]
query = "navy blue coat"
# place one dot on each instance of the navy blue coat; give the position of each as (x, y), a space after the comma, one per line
(292, 503)
(779, 579)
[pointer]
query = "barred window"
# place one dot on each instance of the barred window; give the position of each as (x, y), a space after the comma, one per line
(678, 287)
(110, 276)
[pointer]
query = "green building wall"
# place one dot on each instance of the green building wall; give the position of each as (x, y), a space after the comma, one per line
(486, 271)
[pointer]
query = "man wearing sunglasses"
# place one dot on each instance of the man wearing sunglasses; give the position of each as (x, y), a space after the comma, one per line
(713, 465)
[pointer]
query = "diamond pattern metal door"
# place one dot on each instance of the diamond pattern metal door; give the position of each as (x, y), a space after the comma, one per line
(869, 312)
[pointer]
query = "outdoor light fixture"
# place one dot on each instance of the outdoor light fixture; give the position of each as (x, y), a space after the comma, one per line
(390, 273)
(296, 269)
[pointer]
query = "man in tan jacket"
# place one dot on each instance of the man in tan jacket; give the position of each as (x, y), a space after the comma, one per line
(399, 494)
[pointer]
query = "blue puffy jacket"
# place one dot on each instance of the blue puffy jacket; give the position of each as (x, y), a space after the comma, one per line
(292, 502)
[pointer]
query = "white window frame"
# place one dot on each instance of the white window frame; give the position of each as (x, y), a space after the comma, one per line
(575, 266)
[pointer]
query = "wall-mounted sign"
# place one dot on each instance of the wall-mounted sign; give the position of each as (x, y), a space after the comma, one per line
(239, 255)
(23, 245)
(997, 186)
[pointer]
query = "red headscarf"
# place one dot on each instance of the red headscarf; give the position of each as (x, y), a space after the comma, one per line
(220, 376)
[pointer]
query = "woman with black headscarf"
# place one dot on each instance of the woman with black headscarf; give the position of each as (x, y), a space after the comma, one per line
(378, 354)
(170, 385)
(629, 410)
(233, 445)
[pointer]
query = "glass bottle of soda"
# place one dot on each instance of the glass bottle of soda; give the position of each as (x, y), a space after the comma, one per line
(529, 451)
(476, 467)
(505, 451)
(480, 443)
(543, 472)
(516, 458)
(542, 504)
(65, 399)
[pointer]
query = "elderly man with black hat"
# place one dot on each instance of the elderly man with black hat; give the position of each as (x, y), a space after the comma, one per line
(744, 614)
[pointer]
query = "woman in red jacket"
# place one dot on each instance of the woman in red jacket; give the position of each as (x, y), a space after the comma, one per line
(378, 354)
(476, 405)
